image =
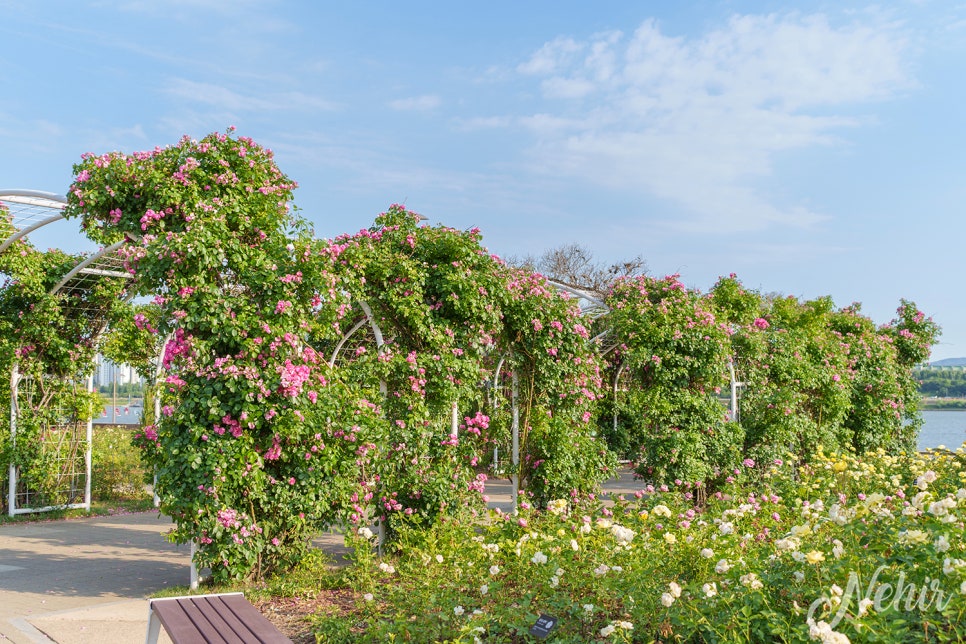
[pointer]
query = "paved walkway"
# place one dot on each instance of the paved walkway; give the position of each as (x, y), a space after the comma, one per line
(50, 570)
(84, 581)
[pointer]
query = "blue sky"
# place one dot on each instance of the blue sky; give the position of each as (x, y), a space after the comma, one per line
(812, 148)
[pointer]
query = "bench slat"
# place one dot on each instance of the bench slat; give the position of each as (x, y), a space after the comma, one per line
(215, 619)
(212, 624)
(258, 625)
(185, 623)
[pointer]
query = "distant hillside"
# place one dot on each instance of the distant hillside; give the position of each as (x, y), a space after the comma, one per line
(949, 362)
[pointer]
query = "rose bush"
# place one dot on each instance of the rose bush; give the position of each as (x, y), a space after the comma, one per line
(312, 381)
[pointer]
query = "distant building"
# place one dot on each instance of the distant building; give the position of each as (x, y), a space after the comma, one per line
(107, 373)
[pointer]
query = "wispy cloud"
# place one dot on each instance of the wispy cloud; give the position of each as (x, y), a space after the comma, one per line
(229, 100)
(698, 121)
(416, 103)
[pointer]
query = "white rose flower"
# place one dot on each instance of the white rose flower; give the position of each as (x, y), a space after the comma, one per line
(661, 511)
(838, 548)
(941, 544)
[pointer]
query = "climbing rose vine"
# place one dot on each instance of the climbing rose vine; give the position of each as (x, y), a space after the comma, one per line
(310, 381)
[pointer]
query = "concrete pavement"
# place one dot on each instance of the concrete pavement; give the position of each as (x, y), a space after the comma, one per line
(85, 580)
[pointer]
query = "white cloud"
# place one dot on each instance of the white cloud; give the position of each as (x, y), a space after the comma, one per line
(483, 123)
(227, 99)
(699, 121)
(552, 56)
(416, 103)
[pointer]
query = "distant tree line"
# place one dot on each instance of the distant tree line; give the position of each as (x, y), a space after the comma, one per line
(942, 382)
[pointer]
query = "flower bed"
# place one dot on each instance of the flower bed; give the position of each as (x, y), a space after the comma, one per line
(843, 549)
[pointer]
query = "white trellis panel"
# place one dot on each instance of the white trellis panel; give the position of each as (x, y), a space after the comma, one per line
(68, 440)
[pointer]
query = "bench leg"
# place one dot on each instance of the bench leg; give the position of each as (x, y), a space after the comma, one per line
(194, 567)
(154, 627)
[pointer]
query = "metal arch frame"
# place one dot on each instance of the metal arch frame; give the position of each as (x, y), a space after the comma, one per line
(52, 201)
(87, 262)
(596, 305)
(26, 197)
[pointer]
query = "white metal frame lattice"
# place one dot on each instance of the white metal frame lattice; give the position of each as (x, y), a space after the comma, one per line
(30, 210)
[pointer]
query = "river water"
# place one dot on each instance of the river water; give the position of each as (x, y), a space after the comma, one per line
(942, 428)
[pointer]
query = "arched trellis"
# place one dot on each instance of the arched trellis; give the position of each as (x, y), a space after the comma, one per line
(32, 210)
(28, 211)
(591, 306)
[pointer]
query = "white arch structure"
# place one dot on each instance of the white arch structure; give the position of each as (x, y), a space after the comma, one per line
(29, 211)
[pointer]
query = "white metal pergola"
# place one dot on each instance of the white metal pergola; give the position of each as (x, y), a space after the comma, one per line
(29, 211)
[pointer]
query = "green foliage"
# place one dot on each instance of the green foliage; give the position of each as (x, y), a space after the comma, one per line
(810, 374)
(941, 382)
(368, 378)
(672, 356)
(116, 469)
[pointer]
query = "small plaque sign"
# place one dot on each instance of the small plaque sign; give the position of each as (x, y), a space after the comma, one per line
(545, 624)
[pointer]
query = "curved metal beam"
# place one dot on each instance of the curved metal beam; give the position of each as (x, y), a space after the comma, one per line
(579, 293)
(87, 262)
(349, 334)
(29, 229)
(33, 197)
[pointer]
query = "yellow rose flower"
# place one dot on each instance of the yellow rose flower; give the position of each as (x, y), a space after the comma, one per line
(815, 556)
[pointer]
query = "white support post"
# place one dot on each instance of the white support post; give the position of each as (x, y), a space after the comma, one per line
(194, 568)
(617, 379)
(515, 429)
(158, 369)
(88, 453)
(12, 475)
(734, 391)
(496, 403)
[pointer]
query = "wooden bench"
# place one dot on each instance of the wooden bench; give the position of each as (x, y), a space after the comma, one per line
(225, 618)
